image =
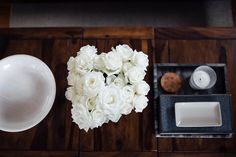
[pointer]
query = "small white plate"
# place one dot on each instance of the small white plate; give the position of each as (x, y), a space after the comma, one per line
(198, 114)
(27, 92)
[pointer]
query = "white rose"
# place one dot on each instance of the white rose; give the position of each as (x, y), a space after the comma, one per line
(84, 63)
(140, 102)
(93, 82)
(89, 102)
(127, 66)
(72, 78)
(71, 64)
(110, 79)
(70, 93)
(119, 81)
(81, 116)
(99, 118)
(128, 93)
(75, 99)
(142, 88)
(127, 108)
(140, 59)
(113, 63)
(125, 52)
(79, 85)
(135, 75)
(88, 50)
(110, 101)
(99, 62)
(114, 117)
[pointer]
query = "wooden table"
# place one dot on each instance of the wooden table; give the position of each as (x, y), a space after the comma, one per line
(133, 135)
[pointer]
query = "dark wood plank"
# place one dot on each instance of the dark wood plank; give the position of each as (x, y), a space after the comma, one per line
(119, 32)
(88, 32)
(194, 51)
(149, 139)
(58, 132)
(230, 49)
(195, 33)
(118, 154)
(5, 10)
(191, 154)
(39, 153)
(124, 135)
(30, 47)
(161, 54)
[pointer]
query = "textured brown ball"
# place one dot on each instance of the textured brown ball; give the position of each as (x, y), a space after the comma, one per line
(171, 82)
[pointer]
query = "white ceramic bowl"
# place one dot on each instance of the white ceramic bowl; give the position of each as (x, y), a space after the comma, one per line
(27, 92)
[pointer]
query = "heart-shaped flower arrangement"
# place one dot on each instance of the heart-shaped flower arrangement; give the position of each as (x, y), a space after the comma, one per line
(103, 87)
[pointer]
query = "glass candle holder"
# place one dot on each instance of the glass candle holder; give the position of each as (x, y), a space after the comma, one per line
(203, 77)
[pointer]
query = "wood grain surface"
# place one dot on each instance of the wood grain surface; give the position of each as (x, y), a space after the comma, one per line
(133, 135)
(5, 11)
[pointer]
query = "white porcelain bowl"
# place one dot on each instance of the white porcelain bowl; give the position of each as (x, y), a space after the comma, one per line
(27, 92)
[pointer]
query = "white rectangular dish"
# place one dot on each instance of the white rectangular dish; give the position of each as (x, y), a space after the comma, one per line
(198, 114)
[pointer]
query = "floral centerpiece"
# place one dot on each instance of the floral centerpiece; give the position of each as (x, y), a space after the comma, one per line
(103, 87)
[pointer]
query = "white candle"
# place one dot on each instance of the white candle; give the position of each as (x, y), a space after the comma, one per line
(201, 79)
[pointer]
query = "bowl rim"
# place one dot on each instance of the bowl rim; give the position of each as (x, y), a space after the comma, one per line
(44, 112)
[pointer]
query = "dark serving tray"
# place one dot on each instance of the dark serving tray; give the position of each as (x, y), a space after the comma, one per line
(185, 70)
(166, 114)
(164, 101)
